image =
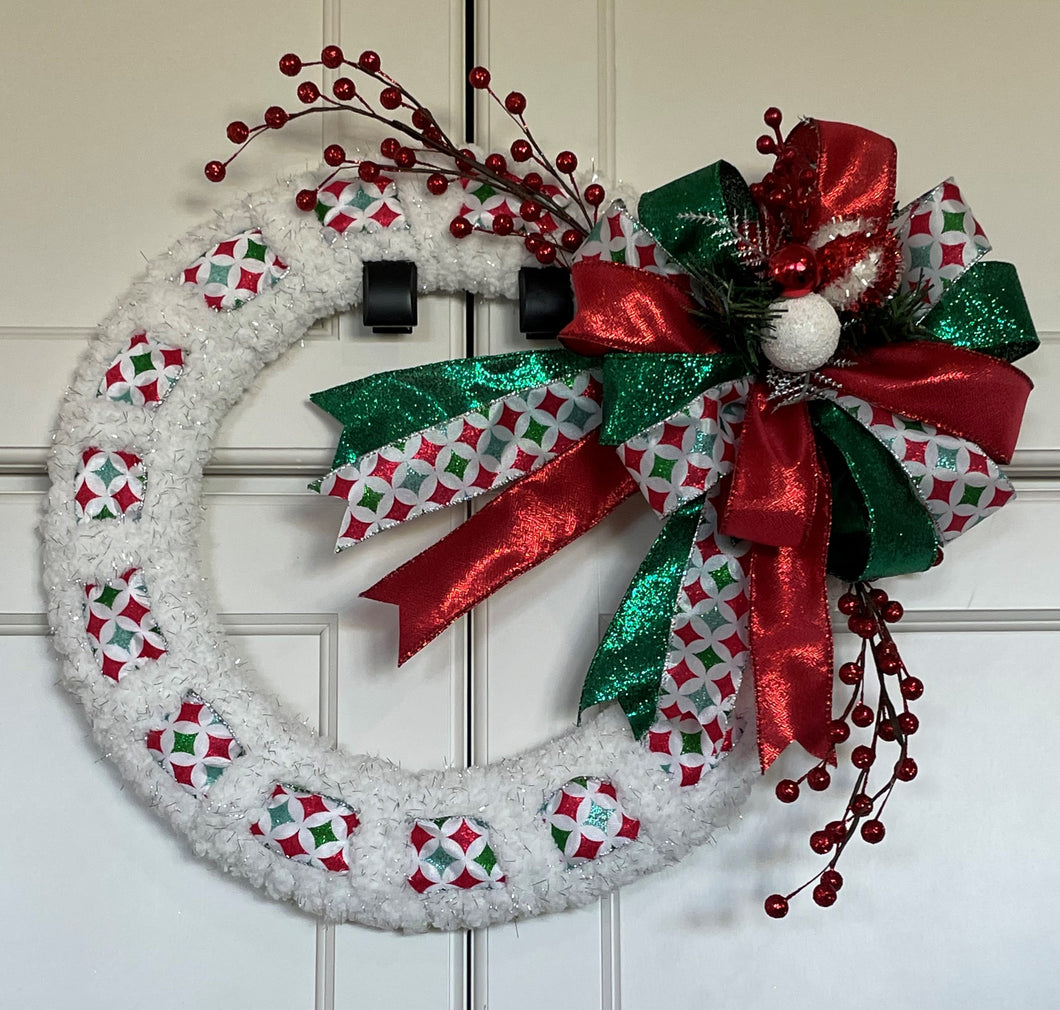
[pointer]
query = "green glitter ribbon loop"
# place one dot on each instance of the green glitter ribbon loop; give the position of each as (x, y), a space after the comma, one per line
(629, 663)
(641, 390)
(985, 311)
(879, 525)
(389, 406)
(692, 217)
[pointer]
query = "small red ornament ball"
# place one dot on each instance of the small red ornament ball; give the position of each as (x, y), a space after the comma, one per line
(533, 242)
(389, 147)
(503, 224)
(862, 757)
(889, 664)
(368, 171)
(833, 878)
(908, 723)
(521, 150)
(912, 688)
(773, 117)
(306, 199)
(369, 61)
(421, 119)
(334, 155)
(821, 842)
(390, 98)
(861, 804)
(529, 211)
(308, 92)
(787, 790)
(824, 895)
(838, 731)
(214, 171)
(776, 906)
(331, 57)
(594, 195)
(237, 132)
(766, 144)
(460, 227)
(818, 779)
(886, 731)
(515, 103)
(496, 163)
(533, 180)
(873, 831)
(837, 829)
(344, 89)
(479, 78)
(405, 157)
(893, 612)
(878, 596)
(906, 770)
(437, 183)
(290, 65)
(862, 716)
(847, 604)
(571, 240)
(566, 162)
(275, 117)
(850, 674)
(546, 254)
(863, 627)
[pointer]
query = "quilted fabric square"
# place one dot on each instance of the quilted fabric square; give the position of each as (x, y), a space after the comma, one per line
(194, 745)
(122, 631)
(355, 205)
(142, 373)
(235, 271)
(109, 485)
(306, 827)
(587, 820)
(452, 853)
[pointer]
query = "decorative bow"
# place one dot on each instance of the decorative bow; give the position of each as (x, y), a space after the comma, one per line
(860, 464)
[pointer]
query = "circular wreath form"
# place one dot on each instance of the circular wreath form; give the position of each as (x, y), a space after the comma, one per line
(345, 836)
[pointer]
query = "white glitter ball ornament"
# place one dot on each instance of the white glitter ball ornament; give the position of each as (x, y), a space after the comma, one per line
(804, 333)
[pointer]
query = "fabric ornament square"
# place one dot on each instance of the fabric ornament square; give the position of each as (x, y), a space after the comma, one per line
(307, 827)
(109, 485)
(235, 271)
(355, 205)
(143, 373)
(195, 745)
(452, 853)
(122, 631)
(587, 820)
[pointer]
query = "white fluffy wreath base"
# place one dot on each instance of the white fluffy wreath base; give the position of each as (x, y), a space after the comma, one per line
(224, 352)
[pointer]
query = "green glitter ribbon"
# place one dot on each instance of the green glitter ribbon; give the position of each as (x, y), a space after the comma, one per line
(985, 311)
(629, 662)
(642, 389)
(879, 525)
(390, 406)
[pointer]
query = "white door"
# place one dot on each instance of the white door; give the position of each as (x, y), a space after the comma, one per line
(110, 111)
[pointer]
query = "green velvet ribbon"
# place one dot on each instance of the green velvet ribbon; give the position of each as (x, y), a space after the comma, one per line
(630, 659)
(390, 406)
(717, 192)
(985, 311)
(642, 389)
(879, 525)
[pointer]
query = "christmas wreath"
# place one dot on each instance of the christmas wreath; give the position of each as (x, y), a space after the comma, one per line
(800, 378)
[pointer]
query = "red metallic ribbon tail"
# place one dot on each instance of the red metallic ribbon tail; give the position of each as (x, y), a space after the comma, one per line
(791, 639)
(526, 523)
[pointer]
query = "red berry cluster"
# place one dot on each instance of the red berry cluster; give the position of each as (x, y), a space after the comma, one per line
(868, 611)
(786, 192)
(549, 200)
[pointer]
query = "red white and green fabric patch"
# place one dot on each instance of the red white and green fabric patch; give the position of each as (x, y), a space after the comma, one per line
(482, 203)
(143, 373)
(618, 237)
(694, 724)
(109, 485)
(679, 458)
(122, 631)
(940, 239)
(306, 827)
(452, 853)
(354, 205)
(235, 271)
(587, 820)
(465, 457)
(959, 484)
(195, 745)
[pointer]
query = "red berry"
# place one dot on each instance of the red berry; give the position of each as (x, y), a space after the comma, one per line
(368, 171)
(496, 163)
(421, 119)
(214, 171)
(479, 78)
(818, 779)
(861, 804)
(437, 183)
(893, 612)
(334, 155)
(275, 117)
(566, 162)
(529, 211)
(390, 98)
(862, 757)
(515, 103)
(776, 906)
(290, 64)
(908, 723)
(847, 604)
(389, 147)
(889, 664)
(503, 224)
(850, 673)
(533, 242)
(837, 829)
(912, 688)
(821, 842)
(863, 627)
(308, 92)
(886, 730)
(838, 731)
(546, 254)
(887, 648)
(594, 195)
(344, 89)
(460, 227)
(873, 831)
(369, 61)
(432, 133)
(533, 180)
(878, 596)
(862, 715)
(833, 878)
(787, 790)
(772, 117)
(331, 57)
(766, 144)
(306, 199)
(521, 150)
(906, 770)
(405, 157)
(238, 132)
(571, 240)
(939, 557)
(824, 895)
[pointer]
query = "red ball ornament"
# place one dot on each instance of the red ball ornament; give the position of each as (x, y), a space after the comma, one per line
(214, 171)
(906, 770)
(437, 183)
(847, 604)
(893, 612)
(566, 162)
(432, 133)
(776, 906)
(571, 240)
(838, 731)
(863, 627)
(344, 89)
(368, 171)
(334, 155)
(833, 878)
(794, 268)
(546, 254)
(369, 62)
(421, 119)
(275, 117)
(787, 790)
(515, 103)
(533, 180)
(861, 804)
(766, 144)
(878, 596)
(479, 78)
(521, 150)
(912, 688)
(850, 674)
(873, 831)
(824, 895)
(308, 92)
(533, 242)
(908, 723)
(390, 98)
(460, 227)
(886, 731)
(496, 163)
(837, 829)
(290, 65)
(529, 211)
(939, 557)
(306, 199)
(821, 842)
(818, 779)
(331, 57)
(594, 195)
(862, 716)
(238, 132)
(889, 664)
(503, 224)
(773, 117)
(389, 147)
(862, 757)
(405, 157)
